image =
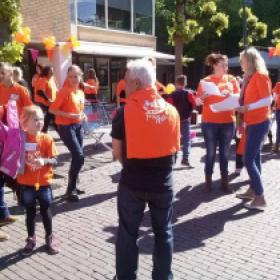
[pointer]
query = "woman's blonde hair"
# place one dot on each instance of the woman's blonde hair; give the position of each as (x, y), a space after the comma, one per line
(255, 61)
(28, 113)
(76, 68)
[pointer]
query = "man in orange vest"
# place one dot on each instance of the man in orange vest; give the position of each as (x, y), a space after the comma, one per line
(146, 138)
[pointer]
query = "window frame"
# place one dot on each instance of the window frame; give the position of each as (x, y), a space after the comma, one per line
(106, 6)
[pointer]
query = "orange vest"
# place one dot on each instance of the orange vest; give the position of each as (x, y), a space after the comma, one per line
(152, 126)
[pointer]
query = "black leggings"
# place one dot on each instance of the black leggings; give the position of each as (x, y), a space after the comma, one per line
(29, 199)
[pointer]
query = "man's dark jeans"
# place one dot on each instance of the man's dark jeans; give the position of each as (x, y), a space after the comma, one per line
(131, 206)
(72, 137)
(4, 211)
(217, 135)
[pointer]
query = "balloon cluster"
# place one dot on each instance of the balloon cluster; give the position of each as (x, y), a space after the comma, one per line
(71, 44)
(23, 36)
(274, 51)
(169, 88)
(50, 43)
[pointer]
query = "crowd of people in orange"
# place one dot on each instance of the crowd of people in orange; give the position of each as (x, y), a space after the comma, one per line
(147, 158)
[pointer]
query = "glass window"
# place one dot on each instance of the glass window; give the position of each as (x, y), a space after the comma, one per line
(102, 71)
(91, 12)
(143, 16)
(119, 14)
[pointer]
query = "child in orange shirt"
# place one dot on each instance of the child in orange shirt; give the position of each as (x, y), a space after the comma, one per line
(35, 182)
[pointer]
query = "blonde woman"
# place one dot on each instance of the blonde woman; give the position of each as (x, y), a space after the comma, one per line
(68, 109)
(255, 106)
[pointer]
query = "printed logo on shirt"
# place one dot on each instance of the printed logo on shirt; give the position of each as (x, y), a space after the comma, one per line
(14, 96)
(31, 155)
(155, 110)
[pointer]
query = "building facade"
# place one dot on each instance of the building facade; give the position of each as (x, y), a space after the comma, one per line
(110, 32)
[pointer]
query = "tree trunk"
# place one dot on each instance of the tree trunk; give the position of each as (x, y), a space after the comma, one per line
(179, 45)
(178, 56)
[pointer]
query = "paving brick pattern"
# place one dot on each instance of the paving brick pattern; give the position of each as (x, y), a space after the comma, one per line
(215, 237)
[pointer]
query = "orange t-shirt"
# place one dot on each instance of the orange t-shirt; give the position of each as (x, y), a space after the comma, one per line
(35, 79)
(15, 92)
(92, 82)
(37, 146)
(147, 112)
(259, 87)
(68, 100)
(276, 90)
(224, 83)
(48, 86)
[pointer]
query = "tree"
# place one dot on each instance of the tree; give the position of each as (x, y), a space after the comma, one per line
(191, 18)
(10, 22)
(257, 30)
(276, 34)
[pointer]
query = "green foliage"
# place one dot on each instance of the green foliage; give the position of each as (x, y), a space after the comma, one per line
(257, 30)
(219, 22)
(276, 34)
(187, 30)
(9, 13)
(202, 15)
(11, 52)
(208, 9)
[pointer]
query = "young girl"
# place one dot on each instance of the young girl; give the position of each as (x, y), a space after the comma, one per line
(37, 177)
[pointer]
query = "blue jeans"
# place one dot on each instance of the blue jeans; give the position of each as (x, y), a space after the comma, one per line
(185, 132)
(255, 135)
(278, 126)
(4, 211)
(217, 135)
(72, 137)
(131, 206)
(29, 197)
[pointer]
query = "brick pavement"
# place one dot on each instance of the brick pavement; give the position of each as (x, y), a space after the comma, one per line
(215, 238)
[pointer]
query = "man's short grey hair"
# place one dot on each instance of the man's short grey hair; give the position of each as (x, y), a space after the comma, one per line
(142, 70)
(6, 66)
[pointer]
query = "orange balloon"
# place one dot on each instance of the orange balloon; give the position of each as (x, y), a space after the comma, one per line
(23, 36)
(277, 49)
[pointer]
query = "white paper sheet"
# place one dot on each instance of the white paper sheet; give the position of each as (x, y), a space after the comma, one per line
(230, 103)
(210, 88)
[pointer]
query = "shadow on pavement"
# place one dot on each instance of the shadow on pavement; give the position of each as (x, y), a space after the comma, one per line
(193, 233)
(89, 150)
(16, 257)
(60, 205)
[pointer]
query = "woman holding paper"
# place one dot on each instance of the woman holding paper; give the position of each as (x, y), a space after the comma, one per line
(217, 127)
(256, 100)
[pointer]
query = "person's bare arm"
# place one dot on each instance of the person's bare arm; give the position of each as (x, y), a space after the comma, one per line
(117, 150)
